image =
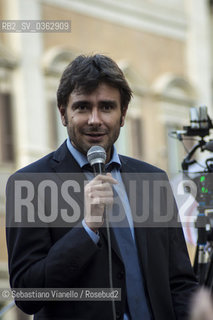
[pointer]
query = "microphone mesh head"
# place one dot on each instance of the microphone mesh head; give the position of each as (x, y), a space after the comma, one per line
(96, 154)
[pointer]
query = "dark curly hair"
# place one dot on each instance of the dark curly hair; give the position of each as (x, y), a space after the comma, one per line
(85, 73)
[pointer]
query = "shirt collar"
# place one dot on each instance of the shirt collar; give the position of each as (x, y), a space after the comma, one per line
(82, 159)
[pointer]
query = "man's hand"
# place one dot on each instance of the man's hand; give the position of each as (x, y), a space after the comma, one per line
(97, 193)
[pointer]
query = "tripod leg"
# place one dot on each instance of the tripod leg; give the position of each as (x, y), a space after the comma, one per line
(195, 265)
(209, 276)
(202, 263)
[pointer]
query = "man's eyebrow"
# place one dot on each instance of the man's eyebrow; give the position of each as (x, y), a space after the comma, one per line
(108, 102)
(88, 103)
(80, 102)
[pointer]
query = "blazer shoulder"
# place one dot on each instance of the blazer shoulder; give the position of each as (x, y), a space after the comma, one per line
(44, 164)
(139, 166)
(40, 165)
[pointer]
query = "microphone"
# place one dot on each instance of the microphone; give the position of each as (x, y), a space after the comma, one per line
(96, 157)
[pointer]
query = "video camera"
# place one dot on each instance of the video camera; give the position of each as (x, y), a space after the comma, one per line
(200, 125)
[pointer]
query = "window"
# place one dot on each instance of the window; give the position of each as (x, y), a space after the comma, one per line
(53, 132)
(6, 129)
(136, 136)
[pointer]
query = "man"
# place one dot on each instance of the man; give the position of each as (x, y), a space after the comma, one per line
(147, 261)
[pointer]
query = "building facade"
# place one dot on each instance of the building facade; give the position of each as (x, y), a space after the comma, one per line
(164, 47)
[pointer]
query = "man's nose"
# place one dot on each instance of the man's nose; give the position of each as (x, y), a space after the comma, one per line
(95, 117)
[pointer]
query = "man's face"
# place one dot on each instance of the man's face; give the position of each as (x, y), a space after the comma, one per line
(94, 118)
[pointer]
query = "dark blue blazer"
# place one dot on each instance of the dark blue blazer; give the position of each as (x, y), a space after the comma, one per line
(64, 256)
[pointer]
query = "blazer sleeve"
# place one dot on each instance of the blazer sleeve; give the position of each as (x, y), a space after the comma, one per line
(35, 261)
(182, 279)
(183, 282)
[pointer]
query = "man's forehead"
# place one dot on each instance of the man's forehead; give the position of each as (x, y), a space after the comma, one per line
(102, 90)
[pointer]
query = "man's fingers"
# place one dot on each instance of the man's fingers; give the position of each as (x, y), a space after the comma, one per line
(100, 193)
(101, 200)
(106, 178)
(99, 187)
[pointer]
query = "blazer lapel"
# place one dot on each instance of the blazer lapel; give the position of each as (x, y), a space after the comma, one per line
(63, 161)
(66, 168)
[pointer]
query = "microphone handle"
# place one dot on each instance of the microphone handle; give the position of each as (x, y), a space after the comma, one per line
(98, 168)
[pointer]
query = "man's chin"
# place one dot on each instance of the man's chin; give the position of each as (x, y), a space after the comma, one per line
(101, 144)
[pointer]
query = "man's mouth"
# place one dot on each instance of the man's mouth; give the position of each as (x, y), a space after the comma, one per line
(95, 136)
(94, 133)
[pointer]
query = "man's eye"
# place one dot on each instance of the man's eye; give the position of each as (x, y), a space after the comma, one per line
(82, 108)
(107, 107)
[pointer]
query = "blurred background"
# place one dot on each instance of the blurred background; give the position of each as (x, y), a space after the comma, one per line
(164, 47)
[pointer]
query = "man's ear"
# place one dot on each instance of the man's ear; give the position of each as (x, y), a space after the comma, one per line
(62, 111)
(123, 116)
